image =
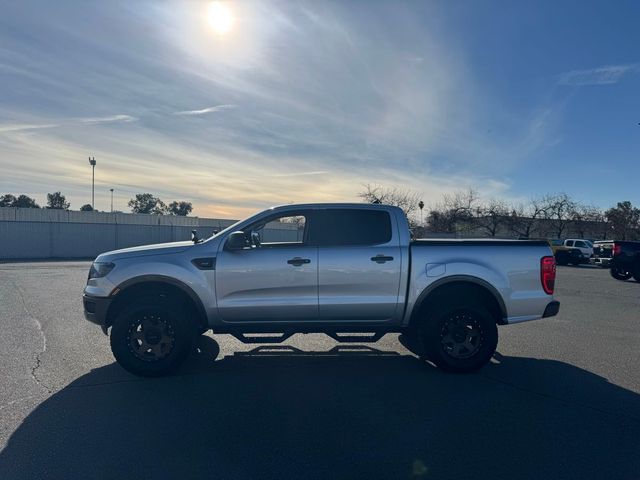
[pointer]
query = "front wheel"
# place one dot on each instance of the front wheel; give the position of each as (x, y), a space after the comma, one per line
(460, 339)
(151, 337)
(619, 274)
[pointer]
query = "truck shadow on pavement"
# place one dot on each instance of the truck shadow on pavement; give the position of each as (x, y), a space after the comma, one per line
(354, 412)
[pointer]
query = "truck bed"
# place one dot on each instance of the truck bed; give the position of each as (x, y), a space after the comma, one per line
(425, 242)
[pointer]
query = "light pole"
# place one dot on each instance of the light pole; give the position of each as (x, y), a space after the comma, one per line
(111, 199)
(92, 162)
(421, 206)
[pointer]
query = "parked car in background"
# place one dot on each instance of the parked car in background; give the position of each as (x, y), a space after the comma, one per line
(564, 255)
(352, 269)
(584, 246)
(602, 253)
(625, 262)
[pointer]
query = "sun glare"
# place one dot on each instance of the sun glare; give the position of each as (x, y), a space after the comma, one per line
(221, 18)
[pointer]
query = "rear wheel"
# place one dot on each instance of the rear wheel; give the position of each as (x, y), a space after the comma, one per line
(620, 274)
(459, 338)
(152, 337)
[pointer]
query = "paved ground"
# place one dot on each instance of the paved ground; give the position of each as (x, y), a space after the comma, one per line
(561, 400)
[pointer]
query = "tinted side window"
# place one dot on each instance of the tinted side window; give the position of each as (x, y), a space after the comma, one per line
(569, 243)
(581, 245)
(350, 227)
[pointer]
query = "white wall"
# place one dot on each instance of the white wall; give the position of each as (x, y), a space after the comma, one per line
(31, 233)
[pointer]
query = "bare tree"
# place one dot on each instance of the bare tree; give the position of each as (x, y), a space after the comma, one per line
(586, 218)
(454, 212)
(557, 211)
(525, 217)
(405, 199)
(491, 216)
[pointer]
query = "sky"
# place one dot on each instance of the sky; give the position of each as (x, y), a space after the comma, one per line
(243, 105)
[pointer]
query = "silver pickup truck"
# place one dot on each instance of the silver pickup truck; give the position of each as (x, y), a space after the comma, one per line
(336, 269)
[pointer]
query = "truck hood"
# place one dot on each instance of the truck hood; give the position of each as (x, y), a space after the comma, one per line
(145, 250)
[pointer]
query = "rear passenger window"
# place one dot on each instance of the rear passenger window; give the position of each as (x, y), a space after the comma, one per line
(350, 227)
(569, 243)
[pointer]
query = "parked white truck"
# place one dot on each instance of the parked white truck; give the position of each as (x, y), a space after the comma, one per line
(344, 268)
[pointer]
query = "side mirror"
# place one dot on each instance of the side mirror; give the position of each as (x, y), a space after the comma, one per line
(236, 241)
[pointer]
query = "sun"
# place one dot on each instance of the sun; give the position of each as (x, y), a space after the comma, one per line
(221, 18)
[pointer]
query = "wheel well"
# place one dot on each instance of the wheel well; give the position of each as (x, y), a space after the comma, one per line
(161, 290)
(458, 292)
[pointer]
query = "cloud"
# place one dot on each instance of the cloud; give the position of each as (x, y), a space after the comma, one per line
(19, 127)
(299, 174)
(216, 108)
(597, 76)
(108, 119)
(319, 118)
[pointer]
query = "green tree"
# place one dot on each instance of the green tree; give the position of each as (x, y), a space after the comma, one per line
(624, 219)
(147, 203)
(181, 209)
(24, 201)
(86, 208)
(57, 201)
(8, 200)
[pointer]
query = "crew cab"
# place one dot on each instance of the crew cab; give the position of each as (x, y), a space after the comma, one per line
(625, 262)
(585, 247)
(338, 269)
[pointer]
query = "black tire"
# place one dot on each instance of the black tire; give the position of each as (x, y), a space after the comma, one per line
(442, 335)
(562, 258)
(619, 274)
(152, 337)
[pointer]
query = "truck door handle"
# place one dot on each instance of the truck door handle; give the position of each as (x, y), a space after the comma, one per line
(297, 261)
(381, 259)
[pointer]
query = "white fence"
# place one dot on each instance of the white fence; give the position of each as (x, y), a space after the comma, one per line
(32, 233)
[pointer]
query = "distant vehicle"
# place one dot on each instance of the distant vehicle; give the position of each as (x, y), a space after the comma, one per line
(564, 255)
(584, 246)
(626, 260)
(602, 253)
(352, 269)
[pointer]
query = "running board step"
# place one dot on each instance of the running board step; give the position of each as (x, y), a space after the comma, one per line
(350, 338)
(363, 337)
(262, 338)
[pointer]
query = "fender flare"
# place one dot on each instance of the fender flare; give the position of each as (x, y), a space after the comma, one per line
(465, 279)
(186, 289)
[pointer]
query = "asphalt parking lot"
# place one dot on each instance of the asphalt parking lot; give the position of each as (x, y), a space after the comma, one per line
(560, 400)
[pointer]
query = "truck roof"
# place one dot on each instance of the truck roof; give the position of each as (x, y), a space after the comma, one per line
(334, 205)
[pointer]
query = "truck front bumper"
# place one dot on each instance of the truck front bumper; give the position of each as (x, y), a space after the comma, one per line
(95, 310)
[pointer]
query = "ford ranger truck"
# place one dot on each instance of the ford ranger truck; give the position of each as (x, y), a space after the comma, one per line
(337, 269)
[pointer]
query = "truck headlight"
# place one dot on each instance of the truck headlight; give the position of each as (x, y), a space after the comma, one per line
(100, 269)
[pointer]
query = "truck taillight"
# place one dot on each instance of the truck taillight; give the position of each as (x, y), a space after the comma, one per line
(548, 274)
(617, 249)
